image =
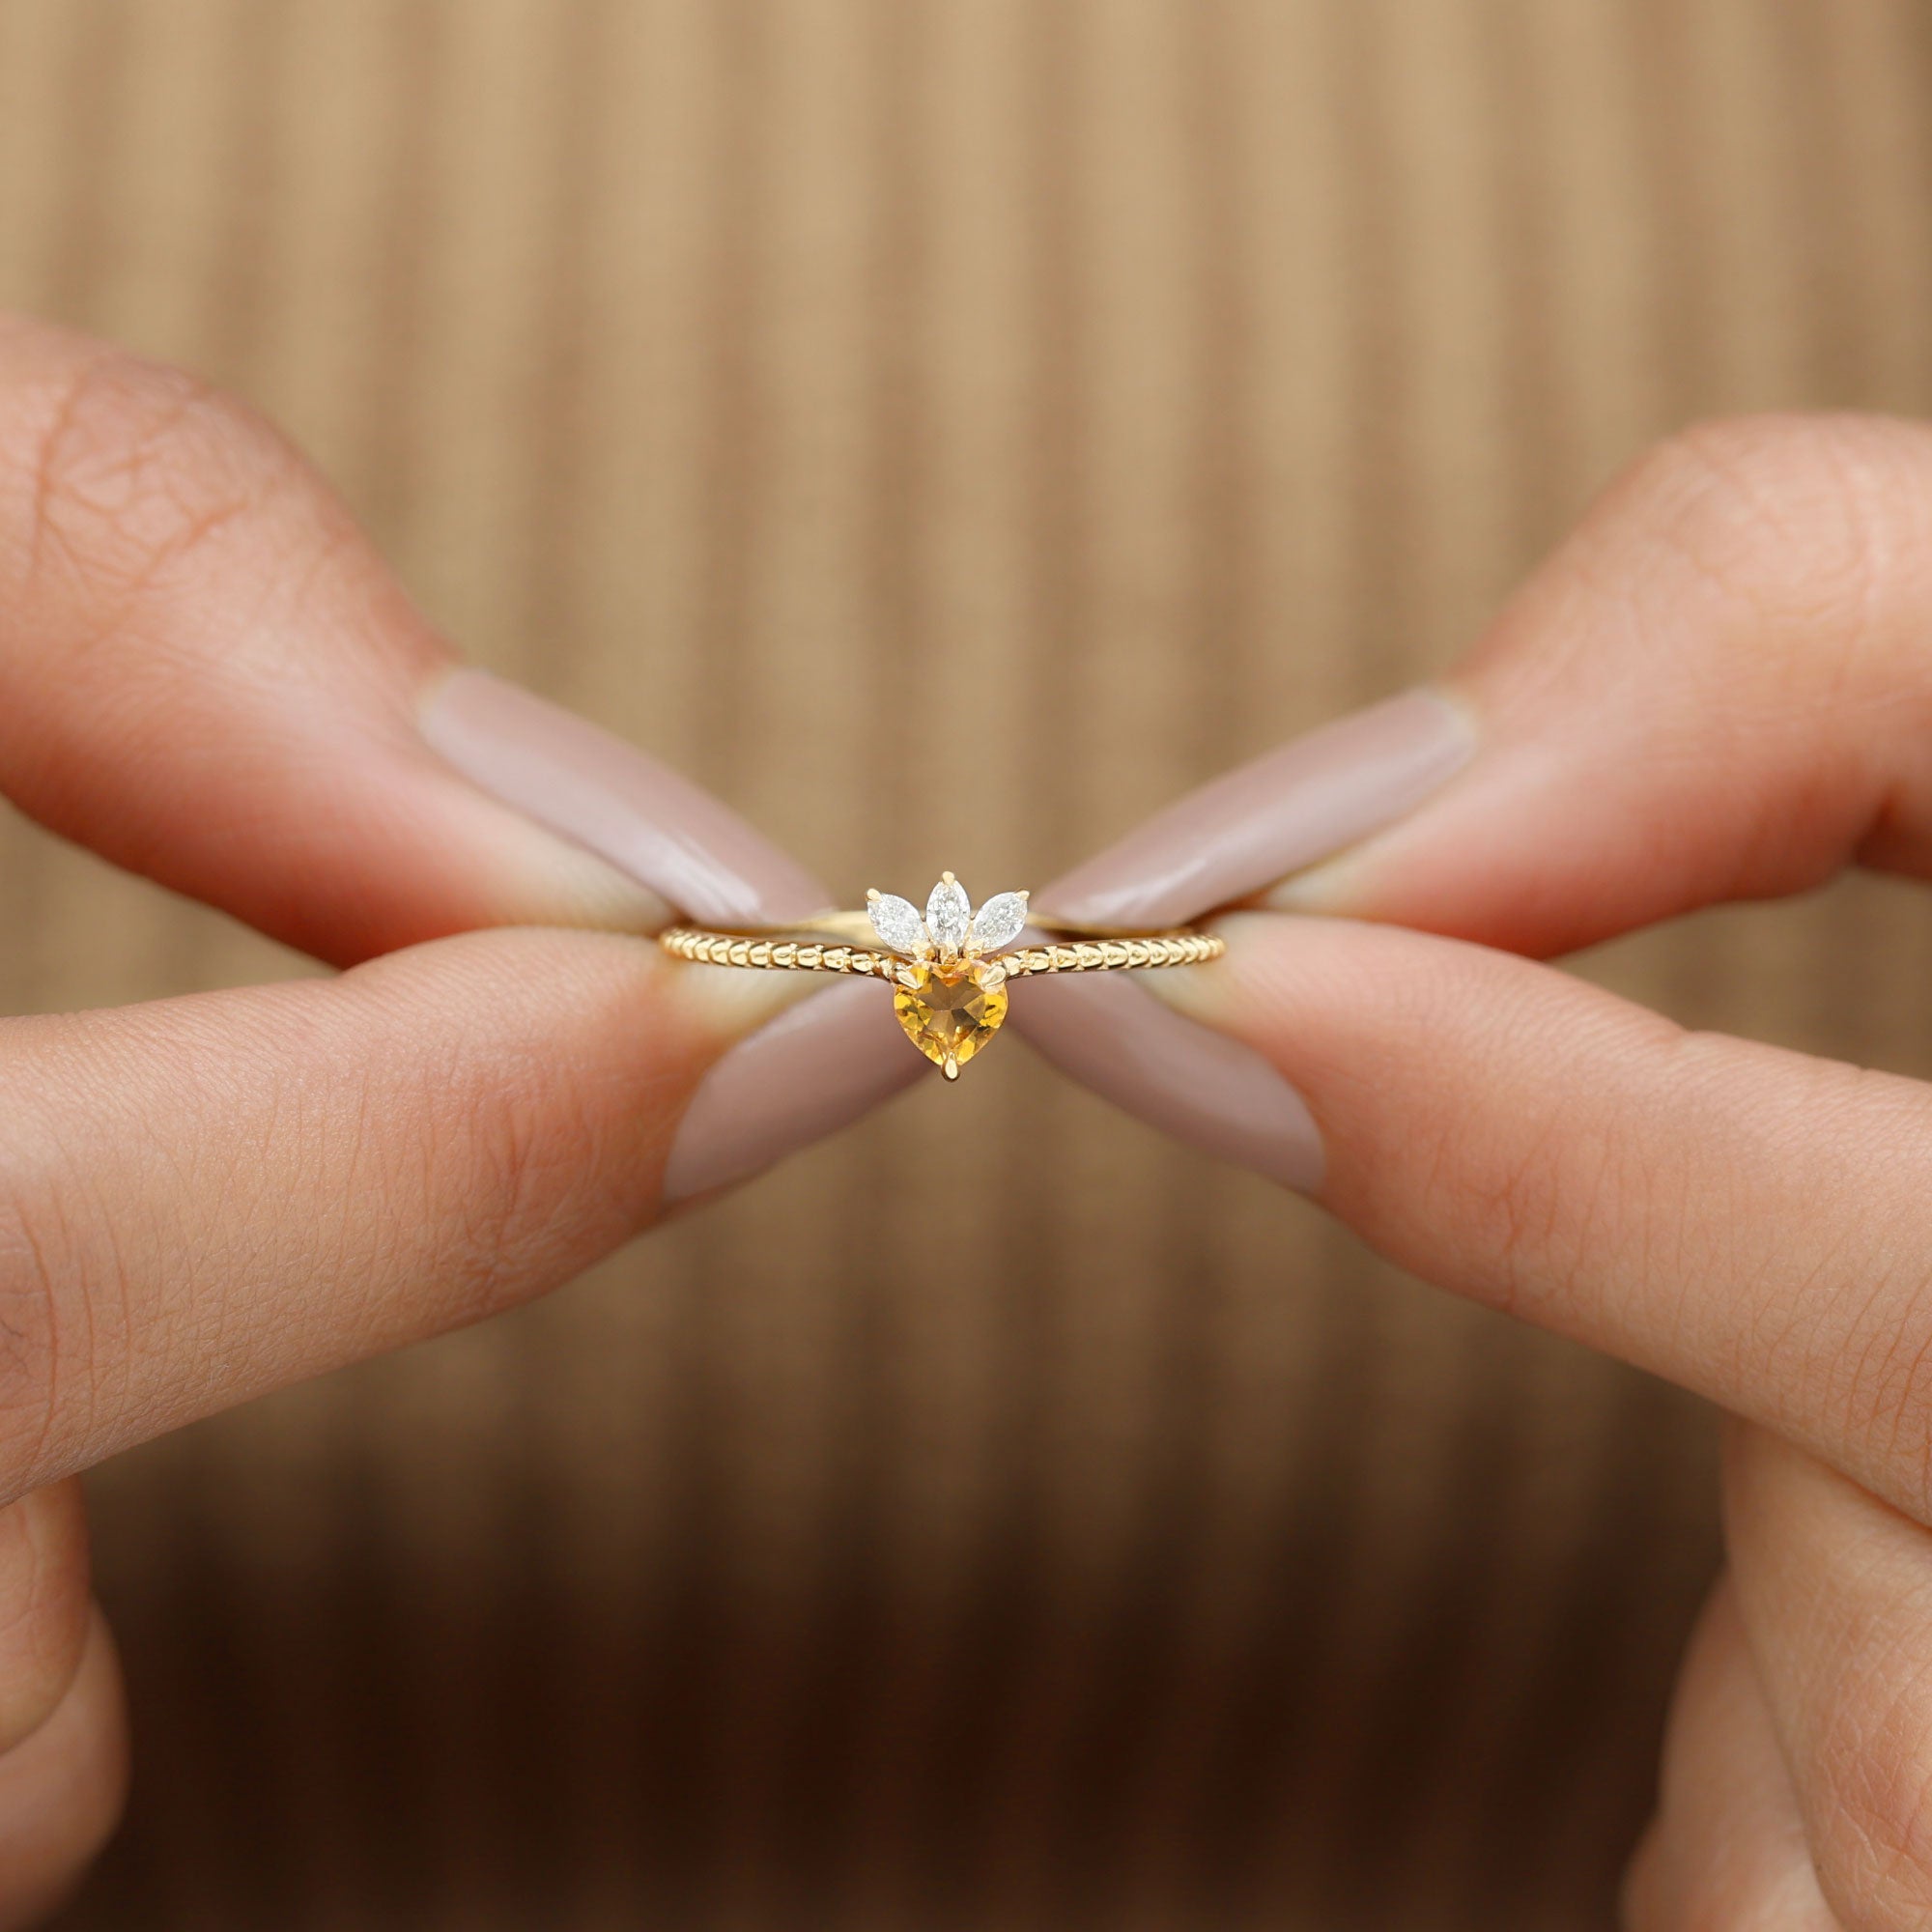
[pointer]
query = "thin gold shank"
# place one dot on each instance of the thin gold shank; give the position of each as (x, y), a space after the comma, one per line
(1140, 953)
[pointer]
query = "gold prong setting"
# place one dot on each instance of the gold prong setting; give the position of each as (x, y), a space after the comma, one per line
(949, 967)
(949, 990)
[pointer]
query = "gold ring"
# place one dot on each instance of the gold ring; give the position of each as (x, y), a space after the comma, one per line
(948, 967)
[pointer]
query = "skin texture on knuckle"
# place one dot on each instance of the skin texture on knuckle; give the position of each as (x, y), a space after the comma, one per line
(1747, 596)
(1793, 519)
(1871, 1808)
(151, 526)
(1807, 543)
(122, 466)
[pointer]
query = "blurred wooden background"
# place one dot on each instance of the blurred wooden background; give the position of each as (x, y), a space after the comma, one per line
(1121, 385)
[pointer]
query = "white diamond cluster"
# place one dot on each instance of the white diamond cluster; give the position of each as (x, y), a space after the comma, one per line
(949, 930)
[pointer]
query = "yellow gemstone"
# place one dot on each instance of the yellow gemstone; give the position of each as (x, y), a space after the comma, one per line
(948, 1014)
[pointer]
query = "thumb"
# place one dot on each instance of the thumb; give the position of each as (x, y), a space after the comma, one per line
(207, 675)
(1748, 1222)
(1718, 688)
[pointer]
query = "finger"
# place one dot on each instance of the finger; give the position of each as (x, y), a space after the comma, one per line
(208, 675)
(204, 1198)
(1727, 1847)
(1835, 1589)
(1720, 687)
(62, 1789)
(1750, 1222)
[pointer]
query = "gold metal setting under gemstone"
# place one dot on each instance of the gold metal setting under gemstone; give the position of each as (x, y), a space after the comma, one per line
(948, 967)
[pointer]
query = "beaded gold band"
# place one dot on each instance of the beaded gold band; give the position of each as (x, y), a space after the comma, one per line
(705, 948)
(948, 969)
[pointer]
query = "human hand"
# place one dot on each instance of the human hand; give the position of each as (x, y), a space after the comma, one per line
(1719, 689)
(207, 676)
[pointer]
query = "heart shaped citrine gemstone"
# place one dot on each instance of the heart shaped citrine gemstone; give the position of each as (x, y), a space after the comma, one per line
(949, 1011)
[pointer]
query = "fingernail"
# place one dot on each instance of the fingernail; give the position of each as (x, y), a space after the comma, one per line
(1201, 1087)
(1249, 829)
(693, 853)
(818, 1067)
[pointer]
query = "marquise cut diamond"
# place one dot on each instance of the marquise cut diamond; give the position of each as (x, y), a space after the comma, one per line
(998, 923)
(948, 915)
(897, 923)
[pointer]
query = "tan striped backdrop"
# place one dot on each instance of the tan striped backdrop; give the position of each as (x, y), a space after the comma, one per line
(1120, 386)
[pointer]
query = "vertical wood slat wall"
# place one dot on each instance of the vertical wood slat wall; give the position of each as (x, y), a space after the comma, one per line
(1118, 387)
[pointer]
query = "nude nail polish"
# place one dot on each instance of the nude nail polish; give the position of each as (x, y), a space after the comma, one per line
(1203, 1088)
(1252, 828)
(818, 1064)
(817, 1067)
(691, 849)
(1233, 839)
